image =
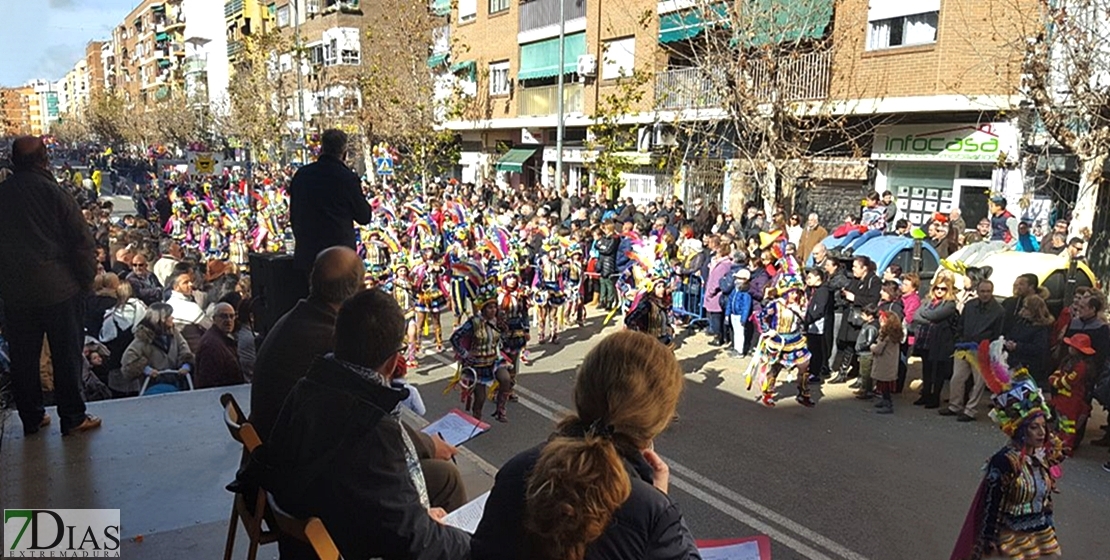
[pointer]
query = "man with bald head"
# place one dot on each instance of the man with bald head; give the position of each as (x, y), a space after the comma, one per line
(47, 265)
(217, 361)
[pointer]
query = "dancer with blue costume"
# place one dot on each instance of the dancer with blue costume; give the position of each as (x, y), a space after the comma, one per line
(783, 343)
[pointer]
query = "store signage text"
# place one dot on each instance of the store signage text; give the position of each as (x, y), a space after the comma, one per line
(945, 142)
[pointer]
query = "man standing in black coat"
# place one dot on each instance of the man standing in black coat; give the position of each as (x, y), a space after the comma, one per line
(44, 236)
(325, 199)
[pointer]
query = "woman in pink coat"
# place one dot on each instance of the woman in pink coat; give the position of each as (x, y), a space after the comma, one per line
(911, 300)
(719, 269)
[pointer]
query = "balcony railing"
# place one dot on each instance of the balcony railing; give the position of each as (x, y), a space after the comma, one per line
(804, 77)
(538, 101)
(234, 48)
(232, 7)
(194, 64)
(542, 13)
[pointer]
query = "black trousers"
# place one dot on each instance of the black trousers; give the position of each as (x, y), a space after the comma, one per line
(846, 360)
(61, 324)
(933, 375)
(819, 349)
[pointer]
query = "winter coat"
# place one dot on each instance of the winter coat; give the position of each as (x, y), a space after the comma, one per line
(740, 303)
(867, 292)
(718, 269)
(217, 361)
(648, 525)
(885, 355)
(324, 198)
(935, 330)
(868, 334)
(819, 310)
(142, 353)
(607, 255)
(1031, 348)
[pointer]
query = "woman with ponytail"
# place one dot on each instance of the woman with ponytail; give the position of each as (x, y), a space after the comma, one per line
(596, 490)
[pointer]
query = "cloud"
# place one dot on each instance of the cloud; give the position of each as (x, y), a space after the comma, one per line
(62, 4)
(58, 59)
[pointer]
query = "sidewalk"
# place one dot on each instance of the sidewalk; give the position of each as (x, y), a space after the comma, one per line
(163, 461)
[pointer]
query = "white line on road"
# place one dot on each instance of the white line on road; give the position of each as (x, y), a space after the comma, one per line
(556, 412)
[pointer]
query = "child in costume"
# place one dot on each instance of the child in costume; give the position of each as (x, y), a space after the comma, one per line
(400, 287)
(429, 279)
(886, 354)
(514, 304)
(1011, 515)
(477, 344)
(651, 313)
(783, 344)
(1070, 389)
(549, 294)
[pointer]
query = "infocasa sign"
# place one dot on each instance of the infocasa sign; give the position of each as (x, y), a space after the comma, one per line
(945, 142)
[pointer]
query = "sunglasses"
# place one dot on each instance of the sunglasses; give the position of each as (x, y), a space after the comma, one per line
(940, 289)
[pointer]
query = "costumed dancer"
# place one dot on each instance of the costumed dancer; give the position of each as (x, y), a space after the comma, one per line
(514, 304)
(477, 344)
(1011, 516)
(548, 286)
(377, 255)
(651, 311)
(400, 287)
(1071, 383)
(460, 285)
(784, 339)
(429, 279)
(576, 276)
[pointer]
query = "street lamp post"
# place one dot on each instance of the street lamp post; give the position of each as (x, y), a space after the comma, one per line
(300, 71)
(559, 127)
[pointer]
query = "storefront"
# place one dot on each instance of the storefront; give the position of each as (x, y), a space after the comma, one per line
(575, 173)
(937, 167)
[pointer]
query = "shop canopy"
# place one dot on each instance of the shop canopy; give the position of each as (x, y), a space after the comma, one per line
(687, 24)
(774, 22)
(514, 159)
(437, 60)
(541, 59)
(469, 66)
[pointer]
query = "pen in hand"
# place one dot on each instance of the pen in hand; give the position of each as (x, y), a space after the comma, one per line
(440, 436)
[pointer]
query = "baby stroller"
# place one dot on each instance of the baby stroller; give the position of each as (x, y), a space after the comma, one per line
(166, 381)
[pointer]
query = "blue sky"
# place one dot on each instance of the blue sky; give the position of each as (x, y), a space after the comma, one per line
(44, 38)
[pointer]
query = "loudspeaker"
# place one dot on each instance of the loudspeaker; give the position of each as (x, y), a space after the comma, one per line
(276, 287)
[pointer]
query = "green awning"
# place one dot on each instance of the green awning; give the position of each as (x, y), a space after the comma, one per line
(441, 7)
(514, 159)
(541, 59)
(161, 36)
(687, 24)
(437, 60)
(773, 22)
(469, 66)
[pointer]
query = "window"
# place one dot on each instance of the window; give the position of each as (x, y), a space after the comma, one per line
(316, 54)
(283, 16)
(312, 7)
(468, 10)
(896, 23)
(499, 78)
(498, 6)
(618, 58)
(349, 56)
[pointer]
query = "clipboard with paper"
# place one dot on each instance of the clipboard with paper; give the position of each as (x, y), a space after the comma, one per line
(750, 548)
(457, 427)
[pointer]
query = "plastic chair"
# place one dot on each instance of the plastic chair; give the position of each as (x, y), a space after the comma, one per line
(311, 531)
(252, 518)
(171, 374)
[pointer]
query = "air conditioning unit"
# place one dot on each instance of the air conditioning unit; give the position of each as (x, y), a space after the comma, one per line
(664, 135)
(644, 136)
(587, 65)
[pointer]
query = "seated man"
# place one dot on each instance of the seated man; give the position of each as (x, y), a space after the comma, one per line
(338, 450)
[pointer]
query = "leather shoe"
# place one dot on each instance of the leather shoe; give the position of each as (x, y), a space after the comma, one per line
(946, 412)
(838, 379)
(42, 424)
(90, 423)
(965, 418)
(921, 401)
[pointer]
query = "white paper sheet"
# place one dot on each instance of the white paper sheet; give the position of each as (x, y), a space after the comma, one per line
(456, 427)
(741, 551)
(468, 516)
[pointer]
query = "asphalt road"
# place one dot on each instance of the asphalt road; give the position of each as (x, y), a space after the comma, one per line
(833, 482)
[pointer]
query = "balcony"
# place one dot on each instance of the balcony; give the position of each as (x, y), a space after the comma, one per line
(233, 8)
(194, 65)
(234, 48)
(536, 14)
(802, 77)
(541, 101)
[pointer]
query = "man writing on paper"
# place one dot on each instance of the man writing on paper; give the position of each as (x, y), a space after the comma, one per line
(338, 451)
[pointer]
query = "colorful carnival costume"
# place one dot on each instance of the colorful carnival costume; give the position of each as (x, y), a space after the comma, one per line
(1011, 515)
(400, 287)
(460, 287)
(783, 343)
(477, 345)
(1071, 399)
(514, 308)
(429, 279)
(377, 256)
(549, 289)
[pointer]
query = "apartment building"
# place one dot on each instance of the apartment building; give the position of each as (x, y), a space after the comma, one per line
(149, 51)
(242, 19)
(936, 77)
(15, 110)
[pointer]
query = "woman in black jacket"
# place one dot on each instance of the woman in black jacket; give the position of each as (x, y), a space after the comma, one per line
(860, 292)
(818, 322)
(596, 490)
(1027, 339)
(935, 341)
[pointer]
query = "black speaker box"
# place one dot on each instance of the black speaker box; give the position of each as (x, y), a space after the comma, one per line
(276, 287)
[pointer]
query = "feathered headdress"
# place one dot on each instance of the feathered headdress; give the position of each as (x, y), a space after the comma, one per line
(788, 277)
(1016, 396)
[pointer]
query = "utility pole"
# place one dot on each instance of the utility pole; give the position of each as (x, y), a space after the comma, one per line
(559, 127)
(300, 78)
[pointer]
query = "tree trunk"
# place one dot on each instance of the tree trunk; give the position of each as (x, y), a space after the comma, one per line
(1086, 199)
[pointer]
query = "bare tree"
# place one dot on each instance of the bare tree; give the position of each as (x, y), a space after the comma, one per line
(259, 93)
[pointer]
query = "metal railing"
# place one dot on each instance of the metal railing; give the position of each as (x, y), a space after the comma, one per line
(234, 48)
(801, 77)
(542, 100)
(535, 14)
(232, 7)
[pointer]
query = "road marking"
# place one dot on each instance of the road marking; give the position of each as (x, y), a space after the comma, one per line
(555, 412)
(420, 422)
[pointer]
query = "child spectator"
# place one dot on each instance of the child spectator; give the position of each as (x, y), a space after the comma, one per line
(739, 308)
(413, 402)
(885, 359)
(1070, 383)
(868, 335)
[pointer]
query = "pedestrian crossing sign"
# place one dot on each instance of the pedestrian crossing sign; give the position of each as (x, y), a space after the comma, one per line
(384, 165)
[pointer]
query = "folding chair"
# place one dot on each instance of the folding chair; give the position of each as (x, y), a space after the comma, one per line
(244, 433)
(309, 530)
